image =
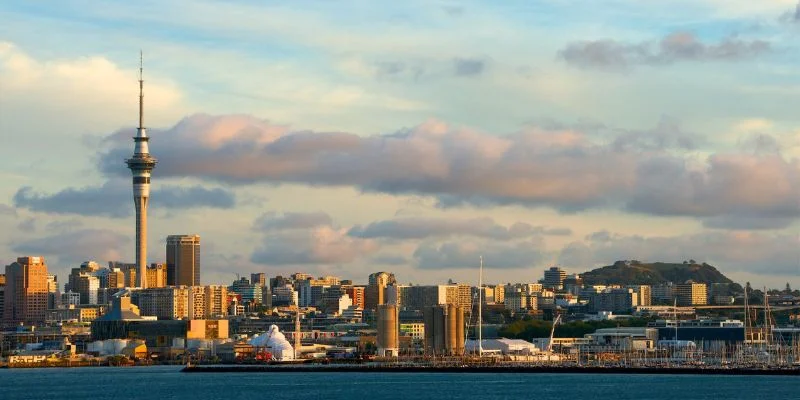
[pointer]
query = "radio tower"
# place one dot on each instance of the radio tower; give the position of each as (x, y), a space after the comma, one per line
(140, 165)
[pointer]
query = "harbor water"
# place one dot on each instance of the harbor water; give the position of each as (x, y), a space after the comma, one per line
(170, 383)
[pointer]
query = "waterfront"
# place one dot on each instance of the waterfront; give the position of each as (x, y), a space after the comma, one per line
(170, 383)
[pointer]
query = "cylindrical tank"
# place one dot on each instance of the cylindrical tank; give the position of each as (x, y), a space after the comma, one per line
(439, 329)
(450, 329)
(388, 342)
(460, 338)
(427, 319)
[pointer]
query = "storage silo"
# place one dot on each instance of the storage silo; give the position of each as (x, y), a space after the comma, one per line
(451, 330)
(388, 341)
(460, 338)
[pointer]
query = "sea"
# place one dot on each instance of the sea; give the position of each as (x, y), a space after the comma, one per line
(158, 382)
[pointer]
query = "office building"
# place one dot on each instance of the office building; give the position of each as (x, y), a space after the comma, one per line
(165, 303)
(691, 294)
(356, 294)
(157, 275)
(259, 279)
(25, 297)
(2, 294)
(554, 278)
(615, 300)
(216, 301)
(375, 291)
(183, 260)
(643, 293)
(250, 293)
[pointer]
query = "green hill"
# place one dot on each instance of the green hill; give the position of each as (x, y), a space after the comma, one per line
(637, 273)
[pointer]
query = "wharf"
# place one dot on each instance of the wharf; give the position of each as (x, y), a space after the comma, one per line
(367, 368)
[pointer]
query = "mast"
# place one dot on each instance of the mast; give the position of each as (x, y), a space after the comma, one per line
(480, 309)
(297, 329)
(746, 311)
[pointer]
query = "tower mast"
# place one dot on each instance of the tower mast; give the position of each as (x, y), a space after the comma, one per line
(141, 164)
(480, 309)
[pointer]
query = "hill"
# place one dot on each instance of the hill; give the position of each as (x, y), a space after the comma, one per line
(637, 273)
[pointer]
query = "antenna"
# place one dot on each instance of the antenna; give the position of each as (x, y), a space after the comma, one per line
(141, 90)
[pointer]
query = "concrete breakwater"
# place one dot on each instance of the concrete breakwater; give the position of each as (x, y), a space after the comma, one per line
(493, 369)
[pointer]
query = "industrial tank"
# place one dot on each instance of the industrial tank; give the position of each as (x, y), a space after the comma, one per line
(388, 342)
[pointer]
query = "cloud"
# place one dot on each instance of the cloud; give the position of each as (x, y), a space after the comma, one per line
(390, 260)
(792, 16)
(27, 225)
(676, 47)
(754, 252)
(420, 228)
(76, 246)
(320, 245)
(468, 66)
(115, 199)
(465, 254)
(564, 168)
(5, 209)
(735, 191)
(272, 221)
(453, 11)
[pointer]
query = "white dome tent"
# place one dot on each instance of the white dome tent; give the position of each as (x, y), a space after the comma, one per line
(275, 342)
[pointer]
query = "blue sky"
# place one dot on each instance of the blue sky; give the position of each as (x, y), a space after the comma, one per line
(353, 136)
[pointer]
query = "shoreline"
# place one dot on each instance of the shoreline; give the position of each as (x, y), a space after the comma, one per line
(491, 369)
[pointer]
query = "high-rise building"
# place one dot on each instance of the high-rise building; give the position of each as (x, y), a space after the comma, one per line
(615, 300)
(2, 294)
(375, 292)
(25, 297)
(183, 260)
(216, 301)
(691, 294)
(249, 292)
(141, 164)
(554, 278)
(259, 279)
(53, 296)
(165, 303)
(128, 272)
(157, 275)
(573, 284)
(86, 281)
(356, 294)
(644, 294)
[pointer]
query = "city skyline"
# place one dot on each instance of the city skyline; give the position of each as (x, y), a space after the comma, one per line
(360, 152)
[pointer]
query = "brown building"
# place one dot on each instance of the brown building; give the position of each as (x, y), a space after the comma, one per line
(375, 293)
(356, 294)
(26, 291)
(183, 260)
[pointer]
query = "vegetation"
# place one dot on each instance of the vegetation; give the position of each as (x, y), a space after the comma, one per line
(532, 328)
(637, 273)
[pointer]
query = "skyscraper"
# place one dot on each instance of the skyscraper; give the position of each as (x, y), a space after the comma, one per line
(26, 291)
(375, 292)
(183, 260)
(141, 164)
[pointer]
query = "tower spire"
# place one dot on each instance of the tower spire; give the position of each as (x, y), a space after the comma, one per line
(141, 165)
(141, 92)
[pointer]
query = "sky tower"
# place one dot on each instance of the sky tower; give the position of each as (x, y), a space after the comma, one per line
(140, 165)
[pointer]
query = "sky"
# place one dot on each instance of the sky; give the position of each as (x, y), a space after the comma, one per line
(348, 137)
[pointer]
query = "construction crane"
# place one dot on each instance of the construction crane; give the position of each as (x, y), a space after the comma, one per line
(552, 332)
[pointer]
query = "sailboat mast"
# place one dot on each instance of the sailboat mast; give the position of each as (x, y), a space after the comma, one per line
(480, 309)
